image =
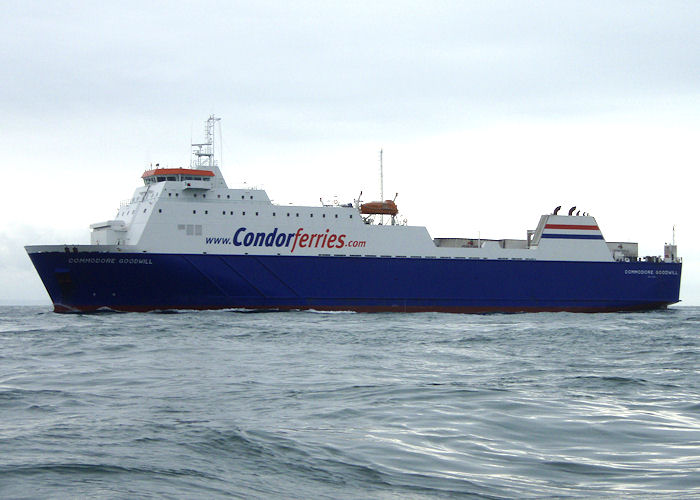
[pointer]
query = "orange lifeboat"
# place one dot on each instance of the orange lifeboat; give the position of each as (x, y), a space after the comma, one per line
(386, 207)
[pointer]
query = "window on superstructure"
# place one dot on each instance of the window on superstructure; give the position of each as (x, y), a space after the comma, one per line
(324, 216)
(194, 211)
(336, 216)
(243, 213)
(172, 178)
(228, 196)
(177, 194)
(195, 195)
(256, 214)
(242, 197)
(274, 214)
(160, 211)
(311, 215)
(204, 196)
(251, 197)
(206, 212)
(297, 215)
(231, 212)
(351, 216)
(223, 212)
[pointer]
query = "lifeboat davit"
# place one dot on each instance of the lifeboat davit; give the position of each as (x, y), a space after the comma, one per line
(386, 207)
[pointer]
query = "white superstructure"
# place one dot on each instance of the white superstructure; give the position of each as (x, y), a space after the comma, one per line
(192, 210)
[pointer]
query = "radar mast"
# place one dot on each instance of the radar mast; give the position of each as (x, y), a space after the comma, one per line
(203, 152)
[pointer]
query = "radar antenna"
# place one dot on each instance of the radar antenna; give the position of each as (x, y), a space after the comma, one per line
(203, 152)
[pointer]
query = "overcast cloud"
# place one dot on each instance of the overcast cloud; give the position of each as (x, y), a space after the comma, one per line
(333, 63)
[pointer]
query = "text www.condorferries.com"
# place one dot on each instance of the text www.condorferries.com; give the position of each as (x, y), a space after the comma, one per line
(275, 238)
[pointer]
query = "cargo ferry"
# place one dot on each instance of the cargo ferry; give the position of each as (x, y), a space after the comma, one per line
(185, 240)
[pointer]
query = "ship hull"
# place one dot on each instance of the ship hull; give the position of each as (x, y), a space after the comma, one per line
(90, 281)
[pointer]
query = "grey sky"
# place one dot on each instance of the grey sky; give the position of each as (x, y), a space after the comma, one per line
(90, 92)
(345, 64)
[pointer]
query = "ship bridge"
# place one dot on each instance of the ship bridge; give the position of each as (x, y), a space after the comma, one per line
(176, 174)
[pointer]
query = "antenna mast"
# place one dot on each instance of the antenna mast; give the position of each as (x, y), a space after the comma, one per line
(381, 179)
(203, 152)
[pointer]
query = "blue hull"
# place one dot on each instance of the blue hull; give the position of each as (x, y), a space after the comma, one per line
(140, 282)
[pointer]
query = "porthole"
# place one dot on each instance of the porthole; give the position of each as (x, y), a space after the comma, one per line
(218, 196)
(160, 211)
(256, 214)
(223, 212)
(351, 216)
(243, 213)
(287, 214)
(242, 197)
(207, 211)
(194, 211)
(228, 196)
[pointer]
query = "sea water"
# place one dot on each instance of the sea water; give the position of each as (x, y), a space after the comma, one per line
(233, 404)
